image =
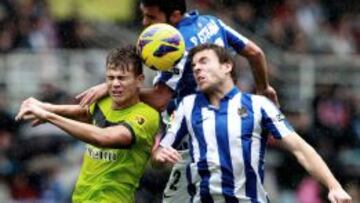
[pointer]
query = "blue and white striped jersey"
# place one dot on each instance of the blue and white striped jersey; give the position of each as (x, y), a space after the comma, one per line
(197, 29)
(227, 145)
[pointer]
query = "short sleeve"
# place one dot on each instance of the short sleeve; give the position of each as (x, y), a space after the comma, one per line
(171, 78)
(177, 130)
(145, 124)
(236, 40)
(273, 120)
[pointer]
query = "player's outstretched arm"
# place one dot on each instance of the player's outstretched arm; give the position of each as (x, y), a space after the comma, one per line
(92, 94)
(72, 111)
(256, 57)
(158, 96)
(257, 60)
(112, 137)
(314, 164)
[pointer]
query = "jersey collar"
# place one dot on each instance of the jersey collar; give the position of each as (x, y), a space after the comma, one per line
(189, 17)
(232, 93)
(204, 100)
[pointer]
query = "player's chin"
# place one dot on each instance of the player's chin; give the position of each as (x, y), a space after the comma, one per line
(118, 99)
(203, 88)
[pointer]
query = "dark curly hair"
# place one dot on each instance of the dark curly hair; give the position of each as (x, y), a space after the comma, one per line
(125, 58)
(166, 6)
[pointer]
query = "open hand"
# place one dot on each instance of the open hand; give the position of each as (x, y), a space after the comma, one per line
(31, 110)
(92, 94)
(270, 93)
(339, 195)
(165, 155)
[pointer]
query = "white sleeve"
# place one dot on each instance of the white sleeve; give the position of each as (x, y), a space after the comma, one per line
(171, 78)
(273, 120)
(178, 128)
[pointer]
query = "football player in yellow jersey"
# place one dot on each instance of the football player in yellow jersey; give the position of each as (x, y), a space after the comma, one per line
(121, 135)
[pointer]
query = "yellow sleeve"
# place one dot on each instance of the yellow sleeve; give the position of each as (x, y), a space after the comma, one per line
(145, 123)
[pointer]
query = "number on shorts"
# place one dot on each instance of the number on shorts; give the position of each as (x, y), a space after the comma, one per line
(176, 175)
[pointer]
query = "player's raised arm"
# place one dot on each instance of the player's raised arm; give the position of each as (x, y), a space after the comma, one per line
(92, 94)
(166, 153)
(158, 96)
(71, 111)
(257, 60)
(275, 122)
(314, 164)
(256, 57)
(113, 137)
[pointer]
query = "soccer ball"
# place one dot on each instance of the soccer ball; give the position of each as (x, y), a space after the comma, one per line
(161, 46)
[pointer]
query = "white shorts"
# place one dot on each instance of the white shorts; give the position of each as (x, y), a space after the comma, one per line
(176, 187)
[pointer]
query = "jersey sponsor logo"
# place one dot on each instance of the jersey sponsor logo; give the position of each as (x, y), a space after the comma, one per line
(280, 117)
(172, 119)
(194, 40)
(201, 120)
(99, 154)
(167, 196)
(174, 180)
(140, 120)
(242, 112)
(209, 30)
(176, 71)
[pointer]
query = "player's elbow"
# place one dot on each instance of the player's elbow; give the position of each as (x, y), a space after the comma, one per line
(256, 53)
(101, 140)
(161, 103)
(108, 140)
(162, 106)
(164, 94)
(252, 52)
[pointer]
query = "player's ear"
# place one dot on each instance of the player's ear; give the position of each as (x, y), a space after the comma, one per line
(175, 17)
(227, 67)
(140, 79)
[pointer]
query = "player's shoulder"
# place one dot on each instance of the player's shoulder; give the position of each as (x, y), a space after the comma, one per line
(206, 16)
(260, 100)
(144, 116)
(188, 99)
(257, 97)
(245, 96)
(195, 21)
(103, 103)
(146, 109)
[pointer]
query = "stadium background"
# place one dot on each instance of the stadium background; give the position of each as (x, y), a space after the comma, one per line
(54, 49)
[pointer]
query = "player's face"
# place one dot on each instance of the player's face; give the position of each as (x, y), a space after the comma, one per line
(151, 15)
(209, 74)
(123, 86)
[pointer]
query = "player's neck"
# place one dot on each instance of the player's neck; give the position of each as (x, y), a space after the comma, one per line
(125, 104)
(218, 93)
(176, 19)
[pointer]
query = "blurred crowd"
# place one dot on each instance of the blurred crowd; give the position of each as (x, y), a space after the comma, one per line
(30, 25)
(301, 26)
(40, 165)
(316, 26)
(32, 159)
